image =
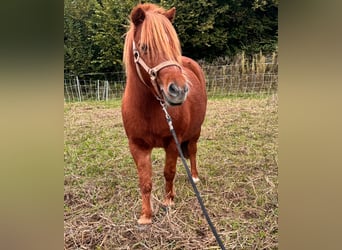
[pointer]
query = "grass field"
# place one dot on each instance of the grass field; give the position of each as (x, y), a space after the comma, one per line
(237, 157)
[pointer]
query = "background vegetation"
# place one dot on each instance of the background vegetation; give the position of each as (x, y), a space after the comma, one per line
(94, 30)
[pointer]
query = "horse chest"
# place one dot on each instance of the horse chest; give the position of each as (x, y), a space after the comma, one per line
(150, 128)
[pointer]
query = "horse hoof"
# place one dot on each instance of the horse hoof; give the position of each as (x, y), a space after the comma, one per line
(144, 221)
(195, 179)
(168, 202)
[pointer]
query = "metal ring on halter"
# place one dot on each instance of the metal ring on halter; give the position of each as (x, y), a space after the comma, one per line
(136, 55)
(153, 74)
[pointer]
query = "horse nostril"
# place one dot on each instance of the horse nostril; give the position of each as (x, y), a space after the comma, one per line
(186, 89)
(173, 90)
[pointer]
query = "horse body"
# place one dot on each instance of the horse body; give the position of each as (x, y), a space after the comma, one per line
(180, 84)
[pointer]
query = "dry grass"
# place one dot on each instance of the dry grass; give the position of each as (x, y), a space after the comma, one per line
(237, 158)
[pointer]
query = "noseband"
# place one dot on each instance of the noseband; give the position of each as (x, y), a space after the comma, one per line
(153, 72)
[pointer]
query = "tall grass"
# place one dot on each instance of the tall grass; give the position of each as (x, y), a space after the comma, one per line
(241, 75)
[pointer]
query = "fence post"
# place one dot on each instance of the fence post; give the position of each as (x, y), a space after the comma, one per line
(66, 90)
(107, 89)
(78, 89)
(98, 90)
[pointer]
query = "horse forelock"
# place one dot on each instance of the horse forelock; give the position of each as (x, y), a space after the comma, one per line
(160, 37)
(158, 34)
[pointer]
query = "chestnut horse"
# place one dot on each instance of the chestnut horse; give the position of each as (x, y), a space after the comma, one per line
(158, 74)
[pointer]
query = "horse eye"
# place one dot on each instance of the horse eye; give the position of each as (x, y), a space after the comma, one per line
(144, 48)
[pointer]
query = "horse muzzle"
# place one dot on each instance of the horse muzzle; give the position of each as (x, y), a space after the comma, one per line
(174, 94)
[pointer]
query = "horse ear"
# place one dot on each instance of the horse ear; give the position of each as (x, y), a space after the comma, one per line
(137, 16)
(170, 14)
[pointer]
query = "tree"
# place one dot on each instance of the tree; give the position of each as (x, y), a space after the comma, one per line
(94, 30)
(108, 28)
(93, 35)
(214, 28)
(78, 51)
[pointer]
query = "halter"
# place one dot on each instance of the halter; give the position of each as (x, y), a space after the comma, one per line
(153, 72)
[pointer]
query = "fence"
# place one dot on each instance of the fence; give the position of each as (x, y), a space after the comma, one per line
(221, 80)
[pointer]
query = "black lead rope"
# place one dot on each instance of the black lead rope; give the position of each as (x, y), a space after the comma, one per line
(199, 198)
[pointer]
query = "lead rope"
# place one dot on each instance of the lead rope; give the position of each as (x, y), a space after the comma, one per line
(199, 198)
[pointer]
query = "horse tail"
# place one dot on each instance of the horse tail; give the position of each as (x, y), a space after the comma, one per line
(185, 150)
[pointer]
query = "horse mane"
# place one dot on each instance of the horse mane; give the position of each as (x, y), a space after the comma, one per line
(157, 33)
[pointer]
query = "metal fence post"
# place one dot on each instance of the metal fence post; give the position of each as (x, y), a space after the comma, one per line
(78, 89)
(107, 89)
(98, 90)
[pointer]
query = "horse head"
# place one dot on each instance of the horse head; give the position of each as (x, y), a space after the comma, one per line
(157, 53)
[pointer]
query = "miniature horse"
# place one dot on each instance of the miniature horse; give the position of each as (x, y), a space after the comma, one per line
(158, 74)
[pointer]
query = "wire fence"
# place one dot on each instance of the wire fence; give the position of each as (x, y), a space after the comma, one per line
(221, 80)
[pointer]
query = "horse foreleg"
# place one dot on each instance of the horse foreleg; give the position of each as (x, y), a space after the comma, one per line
(142, 158)
(192, 148)
(169, 174)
